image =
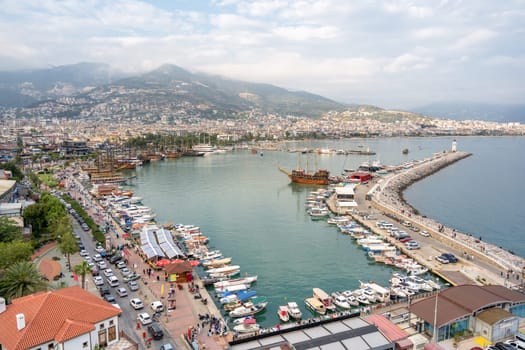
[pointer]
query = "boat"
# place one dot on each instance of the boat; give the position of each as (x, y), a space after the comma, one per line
(405, 151)
(248, 309)
(233, 288)
(318, 213)
(340, 301)
(224, 270)
(380, 293)
(241, 320)
(284, 316)
(294, 311)
(320, 177)
(339, 220)
(216, 262)
(205, 148)
(248, 326)
(232, 282)
(315, 305)
(324, 298)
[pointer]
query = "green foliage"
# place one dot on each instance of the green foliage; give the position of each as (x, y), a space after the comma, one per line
(82, 270)
(35, 180)
(20, 279)
(8, 231)
(15, 170)
(43, 216)
(68, 245)
(97, 234)
(11, 252)
(49, 180)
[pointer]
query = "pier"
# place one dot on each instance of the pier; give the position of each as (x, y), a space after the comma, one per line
(479, 262)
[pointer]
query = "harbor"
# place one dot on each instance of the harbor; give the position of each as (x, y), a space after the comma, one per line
(366, 216)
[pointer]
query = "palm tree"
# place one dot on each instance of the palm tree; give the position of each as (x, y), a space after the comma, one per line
(82, 270)
(20, 279)
(68, 245)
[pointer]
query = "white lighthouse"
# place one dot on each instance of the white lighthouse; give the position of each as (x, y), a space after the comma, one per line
(454, 146)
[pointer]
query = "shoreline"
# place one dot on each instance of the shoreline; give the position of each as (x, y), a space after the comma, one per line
(390, 196)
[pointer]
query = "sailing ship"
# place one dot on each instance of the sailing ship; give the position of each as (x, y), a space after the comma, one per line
(304, 176)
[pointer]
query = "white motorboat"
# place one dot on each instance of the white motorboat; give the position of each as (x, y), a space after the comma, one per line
(241, 320)
(284, 316)
(247, 327)
(248, 309)
(340, 301)
(294, 311)
(231, 282)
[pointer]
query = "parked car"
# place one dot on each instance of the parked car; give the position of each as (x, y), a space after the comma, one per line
(144, 318)
(442, 259)
(98, 280)
(136, 303)
(97, 258)
(405, 239)
(157, 306)
(167, 346)
(84, 252)
(122, 292)
(131, 277)
(115, 258)
(450, 257)
(413, 245)
(121, 264)
(155, 331)
(110, 298)
(108, 272)
(104, 290)
(424, 234)
(133, 285)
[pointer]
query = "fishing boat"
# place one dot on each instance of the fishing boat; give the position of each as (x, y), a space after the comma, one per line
(316, 305)
(249, 308)
(214, 263)
(232, 282)
(248, 326)
(284, 316)
(324, 298)
(233, 288)
(318, 213)
(224, 270)
(294, 311)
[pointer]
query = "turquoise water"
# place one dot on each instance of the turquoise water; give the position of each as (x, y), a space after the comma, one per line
(252, 213)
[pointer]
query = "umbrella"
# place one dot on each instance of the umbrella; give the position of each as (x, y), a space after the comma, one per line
(162, 263)
(194, 263)
(177, 261)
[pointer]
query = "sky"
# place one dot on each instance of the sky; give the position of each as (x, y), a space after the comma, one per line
(391, 53)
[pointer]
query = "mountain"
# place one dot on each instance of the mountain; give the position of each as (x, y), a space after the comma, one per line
(21, 88)
(228, 94)
(474, 111)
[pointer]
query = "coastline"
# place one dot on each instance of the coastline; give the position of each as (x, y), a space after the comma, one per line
(389, 196)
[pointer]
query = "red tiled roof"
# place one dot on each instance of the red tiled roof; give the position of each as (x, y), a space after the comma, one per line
(52, 316)
(389, 329)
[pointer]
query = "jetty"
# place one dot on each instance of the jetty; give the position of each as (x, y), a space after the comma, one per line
(382, 199)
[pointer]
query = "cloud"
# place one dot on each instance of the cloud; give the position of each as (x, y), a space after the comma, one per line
(306, 32)
(407, 62)
(474, 38)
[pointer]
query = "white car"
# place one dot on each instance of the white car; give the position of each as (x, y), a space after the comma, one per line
(125, 271)
(122, 292)
(157, 306)
(108, 272)
(84, 252)
(136, 303)
(144, 318)
(99, 281)
(133, 285)
(100, 248)
(102, 265)
(424, 234)
(121, 264)
(97, 258)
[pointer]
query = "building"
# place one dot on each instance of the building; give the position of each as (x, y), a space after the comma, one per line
(344, 198)
(75, 148)
(68, 318)
(7, 188)
(492, 312)
(345, 332)
(360, 176)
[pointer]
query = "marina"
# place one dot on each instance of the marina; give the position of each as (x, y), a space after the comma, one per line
(220, 267)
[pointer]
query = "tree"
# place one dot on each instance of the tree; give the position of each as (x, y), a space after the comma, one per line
(68, 245)
(82, 270)
(11, 252)
(21, 279)
(8, 231)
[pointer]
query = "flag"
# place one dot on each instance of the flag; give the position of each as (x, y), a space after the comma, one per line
(162, 289)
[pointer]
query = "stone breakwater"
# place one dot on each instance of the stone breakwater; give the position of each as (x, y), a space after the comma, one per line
(390, 197)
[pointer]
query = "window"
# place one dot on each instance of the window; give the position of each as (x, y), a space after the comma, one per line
(101, 326)
(51, 346)
(111, 322)
(84, 345)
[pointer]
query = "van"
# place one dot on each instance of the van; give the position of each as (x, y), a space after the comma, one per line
(113, 281)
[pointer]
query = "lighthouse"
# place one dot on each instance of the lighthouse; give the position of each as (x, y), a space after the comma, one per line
(454, 146)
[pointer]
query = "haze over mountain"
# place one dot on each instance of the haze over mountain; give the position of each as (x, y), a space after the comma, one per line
(474, 111)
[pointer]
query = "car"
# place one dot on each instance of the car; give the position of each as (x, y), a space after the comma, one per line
(167, 346)
(157, 306)
(144, 318)
(518, 344)
(85, 227)
(115, 258)
(104, 290)
(102, 265)
(131, 277)
(88, 258)
(125, 271)
(122, 292)
(94, 271)
(121, 265)
(99, 249)
(413, 246)
(424, 233)
(98, 280)
(503, 346)
(108, 272)
(155, 331)
(91, 264)
(405, 239)
(113, 281)
(442, 259)
(133, 286)
(450, 257)
(81, 245)
(97, 258)
(109, 298)
(414, 228)
(84, 252)
(136, 303)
